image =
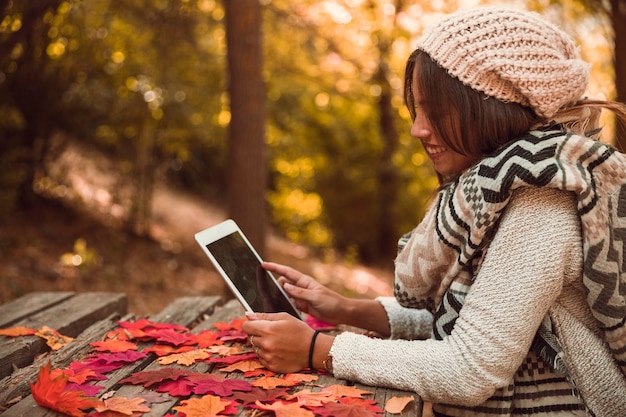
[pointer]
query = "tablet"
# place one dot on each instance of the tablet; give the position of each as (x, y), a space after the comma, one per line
(240, 265)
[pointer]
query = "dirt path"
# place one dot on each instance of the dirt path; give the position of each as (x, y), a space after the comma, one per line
(54, 247)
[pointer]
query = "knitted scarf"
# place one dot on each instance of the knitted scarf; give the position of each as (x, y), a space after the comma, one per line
(449, 242)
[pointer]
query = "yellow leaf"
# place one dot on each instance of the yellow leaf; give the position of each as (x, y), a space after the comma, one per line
(53, 338)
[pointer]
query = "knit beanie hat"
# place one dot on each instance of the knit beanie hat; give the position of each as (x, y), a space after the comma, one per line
(512, 55)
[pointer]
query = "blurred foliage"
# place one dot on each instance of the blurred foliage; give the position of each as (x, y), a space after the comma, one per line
(144, 80)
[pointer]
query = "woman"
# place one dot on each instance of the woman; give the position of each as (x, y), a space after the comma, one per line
(507, 295)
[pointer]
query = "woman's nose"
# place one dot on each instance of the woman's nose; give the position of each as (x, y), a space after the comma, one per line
(420, 127)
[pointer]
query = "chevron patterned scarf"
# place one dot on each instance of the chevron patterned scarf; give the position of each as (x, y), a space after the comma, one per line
(449, 242)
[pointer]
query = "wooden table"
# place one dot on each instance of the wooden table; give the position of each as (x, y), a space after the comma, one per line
(87, 317)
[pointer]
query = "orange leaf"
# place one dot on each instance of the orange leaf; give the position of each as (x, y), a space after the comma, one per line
(205, 406)
(282, 409)
(113, 346)
(53, 338)
(225, 350)
(309, 398)
(302, 377)
(345, 391)
(243, 366)
(185, 358)
(124, 405)
(395, 405)
(270, 382)
(17, 331)
(49, 392)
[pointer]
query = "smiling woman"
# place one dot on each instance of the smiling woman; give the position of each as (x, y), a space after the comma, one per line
(491, 304)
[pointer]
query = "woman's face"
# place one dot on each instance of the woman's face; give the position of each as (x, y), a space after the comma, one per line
(446, 162)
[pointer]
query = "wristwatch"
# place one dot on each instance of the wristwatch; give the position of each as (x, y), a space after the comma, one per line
(328, 363)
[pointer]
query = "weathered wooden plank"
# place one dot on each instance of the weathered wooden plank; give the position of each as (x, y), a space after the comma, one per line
(184, 311)
(70, 318)
(29, 304)
(16, 386)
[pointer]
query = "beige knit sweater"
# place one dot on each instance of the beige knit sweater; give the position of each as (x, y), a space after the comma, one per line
(531, 268)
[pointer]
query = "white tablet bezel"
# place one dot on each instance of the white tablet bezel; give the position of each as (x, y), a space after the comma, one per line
(219, 231)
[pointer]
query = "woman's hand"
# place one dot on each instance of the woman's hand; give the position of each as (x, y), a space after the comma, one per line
(310, 296)
(282, 341)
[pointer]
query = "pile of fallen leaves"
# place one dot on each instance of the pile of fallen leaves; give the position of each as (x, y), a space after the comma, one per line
(75, 392)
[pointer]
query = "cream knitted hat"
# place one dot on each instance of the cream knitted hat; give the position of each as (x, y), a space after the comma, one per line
(512, 55)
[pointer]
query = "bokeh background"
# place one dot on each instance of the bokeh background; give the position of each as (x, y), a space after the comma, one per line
(127, 126)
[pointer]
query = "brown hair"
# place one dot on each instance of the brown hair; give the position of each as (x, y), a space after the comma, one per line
(467, 121)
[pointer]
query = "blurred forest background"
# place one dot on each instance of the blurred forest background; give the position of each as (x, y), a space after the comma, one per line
(128, 125)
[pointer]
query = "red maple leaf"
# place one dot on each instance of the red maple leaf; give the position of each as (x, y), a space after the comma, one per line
(233, 358)
(171, 337)
(234, 324)
(181, 387)
(368, 404)
(205, 339)
(50, 392)
(118, 358)
(149, 378)
(217, 385)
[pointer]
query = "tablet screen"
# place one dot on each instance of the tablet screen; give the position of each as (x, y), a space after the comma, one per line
(255, 284)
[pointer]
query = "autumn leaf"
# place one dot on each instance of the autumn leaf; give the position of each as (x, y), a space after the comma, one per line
(148, 325)
(345, 391)
(368, 404)
(302, 377)
(242, 366)
(310, 398)
(149, 378)
(255, 373)
(17, 331)
(235, 324)
(170, 336)
(234, 358)
(53, 338)
(395, 405)
(225, 350)
(164, 350)
(49, 392)
(181, 387)
(185, 358)
(282, 409)
(118, 358)
(213, 384)
(269, 382)
(318, 324)
(206, 406)
(333, 409)
(113, 346)
(124, 405)
(259, 394)
(205, 339)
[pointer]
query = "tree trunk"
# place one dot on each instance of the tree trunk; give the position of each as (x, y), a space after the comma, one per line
(387, 175)
(247, 164)
(618, 18)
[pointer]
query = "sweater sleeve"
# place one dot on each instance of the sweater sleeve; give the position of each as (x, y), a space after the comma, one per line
(406, 323)
(521, 276)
